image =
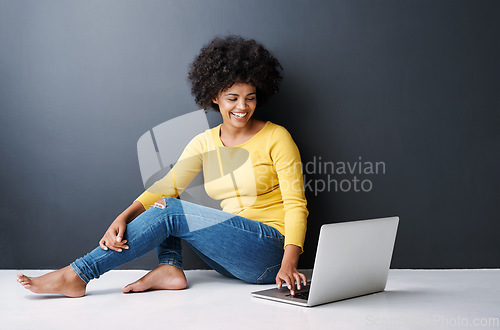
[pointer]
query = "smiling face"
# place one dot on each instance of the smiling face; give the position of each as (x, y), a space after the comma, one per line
(237, 104)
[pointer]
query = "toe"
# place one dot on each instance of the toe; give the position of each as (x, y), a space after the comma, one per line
(126, 288)
(135, 287)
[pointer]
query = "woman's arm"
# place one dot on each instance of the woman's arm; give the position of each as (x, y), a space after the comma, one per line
(187, 167)
(286, 158)
(288, 272)
(113, 238)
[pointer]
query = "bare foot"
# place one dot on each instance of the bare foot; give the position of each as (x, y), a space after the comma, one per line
(163, 277)
(63, 281)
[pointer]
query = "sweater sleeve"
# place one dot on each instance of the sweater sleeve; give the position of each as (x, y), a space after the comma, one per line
(288, 166)
(179, 177)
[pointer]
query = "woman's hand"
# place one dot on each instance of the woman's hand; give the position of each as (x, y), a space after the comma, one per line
(113, 238)
(291, 276)
(288, 272)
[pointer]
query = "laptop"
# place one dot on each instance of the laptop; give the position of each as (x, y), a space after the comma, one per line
(352, 260)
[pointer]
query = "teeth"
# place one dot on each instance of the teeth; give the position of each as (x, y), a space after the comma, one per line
(239, 115)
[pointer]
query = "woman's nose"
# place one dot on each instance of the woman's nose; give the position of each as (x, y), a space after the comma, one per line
(242, 104)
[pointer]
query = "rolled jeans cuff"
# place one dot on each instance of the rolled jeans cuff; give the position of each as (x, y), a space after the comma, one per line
(80, 274)
(172, 263)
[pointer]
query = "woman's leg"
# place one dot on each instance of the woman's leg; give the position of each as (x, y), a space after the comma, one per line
(232, 245)
(63, 281)
(168, 275)
(247, 239)
(146, 231)
(247, 249)
(170, 252)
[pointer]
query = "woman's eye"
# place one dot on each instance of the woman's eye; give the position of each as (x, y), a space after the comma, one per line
(231, 100)
(251, 99)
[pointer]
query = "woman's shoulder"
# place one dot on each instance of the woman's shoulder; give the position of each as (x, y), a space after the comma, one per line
(203, 140)
(277, 131)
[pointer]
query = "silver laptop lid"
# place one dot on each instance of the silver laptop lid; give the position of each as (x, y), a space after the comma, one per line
(352, 259)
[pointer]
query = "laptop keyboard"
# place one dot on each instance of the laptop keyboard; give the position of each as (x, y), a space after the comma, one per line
(300, 295)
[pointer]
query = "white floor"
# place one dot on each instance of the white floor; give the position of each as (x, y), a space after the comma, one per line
(414, 299)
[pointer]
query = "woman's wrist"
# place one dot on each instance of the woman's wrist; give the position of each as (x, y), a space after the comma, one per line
(291, 255)
(132, 212)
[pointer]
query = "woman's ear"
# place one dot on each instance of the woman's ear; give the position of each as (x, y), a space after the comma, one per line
(215, 98)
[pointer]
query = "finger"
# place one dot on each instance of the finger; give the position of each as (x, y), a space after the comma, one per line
(121, 232)
(297, 280)
(290, 285)
(111, 245)
(122, 245)
(116, 246)
(279, 281)
(304, 279)
(102, 245)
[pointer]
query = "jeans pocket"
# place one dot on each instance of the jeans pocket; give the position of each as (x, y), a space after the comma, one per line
(269, 275)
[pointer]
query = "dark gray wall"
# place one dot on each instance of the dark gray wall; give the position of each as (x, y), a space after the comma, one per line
(412, 84)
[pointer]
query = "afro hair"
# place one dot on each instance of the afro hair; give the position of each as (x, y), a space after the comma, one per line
(233, 59)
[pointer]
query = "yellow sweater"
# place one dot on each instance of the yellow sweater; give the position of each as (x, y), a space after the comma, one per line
(260, 179)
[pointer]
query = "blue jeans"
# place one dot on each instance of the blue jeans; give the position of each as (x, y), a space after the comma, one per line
(232, 245)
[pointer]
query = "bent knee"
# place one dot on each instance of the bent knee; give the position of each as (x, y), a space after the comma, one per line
(164, 202)
(160, 203)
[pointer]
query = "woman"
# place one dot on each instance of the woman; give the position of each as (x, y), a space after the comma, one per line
(252, 166)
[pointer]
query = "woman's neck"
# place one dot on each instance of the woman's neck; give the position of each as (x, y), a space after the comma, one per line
(233, 136)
